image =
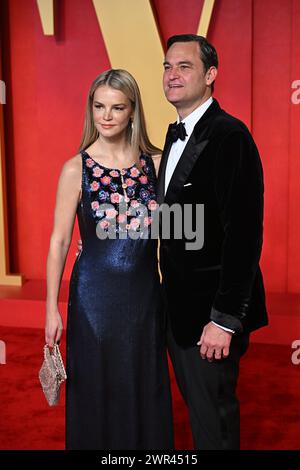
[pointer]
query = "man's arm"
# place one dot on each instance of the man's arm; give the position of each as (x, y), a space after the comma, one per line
(239, 191)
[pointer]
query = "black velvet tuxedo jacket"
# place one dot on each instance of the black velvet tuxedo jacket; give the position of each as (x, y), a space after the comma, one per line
(220, 168)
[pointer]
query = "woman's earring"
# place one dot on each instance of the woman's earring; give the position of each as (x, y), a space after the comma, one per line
(131, 131)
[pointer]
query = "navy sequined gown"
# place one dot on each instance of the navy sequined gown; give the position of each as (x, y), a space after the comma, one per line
(118, 394)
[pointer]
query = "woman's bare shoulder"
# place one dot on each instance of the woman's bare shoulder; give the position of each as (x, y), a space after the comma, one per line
(70, 176)
(73, 165)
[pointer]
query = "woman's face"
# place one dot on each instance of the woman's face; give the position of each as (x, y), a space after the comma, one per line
(112, 111)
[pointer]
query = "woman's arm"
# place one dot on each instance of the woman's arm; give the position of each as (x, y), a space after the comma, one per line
(68, 194)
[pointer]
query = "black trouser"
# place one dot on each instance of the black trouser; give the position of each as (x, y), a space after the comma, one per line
(209, 390)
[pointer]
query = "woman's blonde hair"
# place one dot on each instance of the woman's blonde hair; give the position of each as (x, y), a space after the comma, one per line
(136, 132)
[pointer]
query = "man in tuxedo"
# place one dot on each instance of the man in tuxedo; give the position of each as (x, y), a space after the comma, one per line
(214, 295)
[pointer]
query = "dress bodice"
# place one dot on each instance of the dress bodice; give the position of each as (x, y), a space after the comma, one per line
(117, 201)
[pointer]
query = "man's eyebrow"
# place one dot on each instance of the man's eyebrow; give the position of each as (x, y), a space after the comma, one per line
(181, 62)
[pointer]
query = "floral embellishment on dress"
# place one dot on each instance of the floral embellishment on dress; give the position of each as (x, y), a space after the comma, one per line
(129, 182)
(95, 186)
(89, 162)
(104, 224)
(114, 173)
(134, 172)
(134, 203)
(134, 223)
(111, 213)
(105, 180)
(95, 205)
(116, 198)
(143, 179)
(103, 196)
(130, 192)
(147, 221)
(97, 172)
(113, 187)
(121, 218)
(152, 205)
(145, 195)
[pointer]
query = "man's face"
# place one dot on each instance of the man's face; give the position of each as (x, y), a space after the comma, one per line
(185, 80)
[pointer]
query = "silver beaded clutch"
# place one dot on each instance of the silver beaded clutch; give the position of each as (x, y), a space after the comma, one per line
(52, 374)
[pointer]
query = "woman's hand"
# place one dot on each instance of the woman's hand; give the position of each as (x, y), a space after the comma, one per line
(79, 247)
(54, 328)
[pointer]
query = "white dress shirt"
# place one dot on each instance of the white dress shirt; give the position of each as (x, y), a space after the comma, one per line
(177, 150)
(178, 147)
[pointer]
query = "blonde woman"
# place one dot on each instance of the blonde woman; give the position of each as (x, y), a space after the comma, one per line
(118, 394)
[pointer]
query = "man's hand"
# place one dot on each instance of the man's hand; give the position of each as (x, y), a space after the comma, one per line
(214, 342)
(79, 247)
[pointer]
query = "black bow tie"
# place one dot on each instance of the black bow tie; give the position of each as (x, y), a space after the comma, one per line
(176, 131)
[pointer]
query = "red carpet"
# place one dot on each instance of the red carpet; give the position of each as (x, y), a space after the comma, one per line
(269, 395)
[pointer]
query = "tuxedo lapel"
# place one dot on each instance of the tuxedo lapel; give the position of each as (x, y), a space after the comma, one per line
(192, 152)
